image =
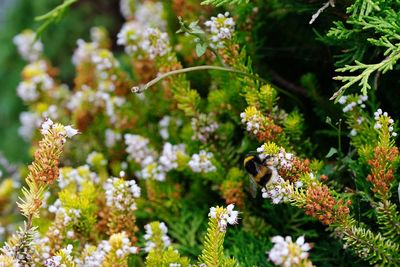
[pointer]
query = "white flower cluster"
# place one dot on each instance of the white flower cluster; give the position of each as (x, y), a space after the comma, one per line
(144, 41)
(351, 102)
(48, 125)
(378, 115)
(150, 14)
(280, 160)
(83, 54)
(287, 253)
(138, 149)
(28, 89)
(28, 48)
(153, 171)
(121, 247)
(149, 234)
(131, 36)
(276, 190)
(201, 162)
(203, 127)
(55, 261)
(76, 176)
(105, 62)
(156, 43)
(166, 162)
(169, 156)
(112, 137)
(253, 121)
(30, 121)
(121, 194)
(144, 36)
(227, 216)
(221, 29)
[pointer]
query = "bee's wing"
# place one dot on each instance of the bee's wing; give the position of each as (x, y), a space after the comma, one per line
(253, 186)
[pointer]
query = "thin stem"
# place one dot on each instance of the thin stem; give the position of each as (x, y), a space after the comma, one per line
(142, 88)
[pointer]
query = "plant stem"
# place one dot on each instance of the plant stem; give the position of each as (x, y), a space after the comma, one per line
(142, 88)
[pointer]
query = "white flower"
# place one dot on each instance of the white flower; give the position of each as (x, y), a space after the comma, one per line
(29, 123)
(224, 216)
(121, 194)
(285, 252)
(276, 190)
(27, 91)
(201, 162)
(149, 235)
(83, 53)
(153, 171)
(203, 127)
(150, 14)
(138, 149)
(28, 48)
(70, 132)
(221, 28)
(155, 43)
(169, 156)
(232, 215)
(46, 126)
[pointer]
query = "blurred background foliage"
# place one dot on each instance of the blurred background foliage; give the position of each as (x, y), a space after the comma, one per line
(60, 42)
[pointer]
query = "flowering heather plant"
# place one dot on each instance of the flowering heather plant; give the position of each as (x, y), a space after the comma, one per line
(173, 114)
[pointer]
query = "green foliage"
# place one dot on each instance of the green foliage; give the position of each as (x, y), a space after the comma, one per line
(166, 258)
(53, 16)
(370, 246)
(213, 246)
(84, 201)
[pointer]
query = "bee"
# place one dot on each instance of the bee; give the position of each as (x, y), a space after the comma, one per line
(261, 171)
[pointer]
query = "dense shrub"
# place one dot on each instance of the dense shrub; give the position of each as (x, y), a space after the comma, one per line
(177, 109)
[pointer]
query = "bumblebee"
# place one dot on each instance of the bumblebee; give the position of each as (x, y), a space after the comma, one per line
(260, 171)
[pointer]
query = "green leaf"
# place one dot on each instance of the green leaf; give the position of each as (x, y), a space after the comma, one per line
(201, 49)
(331, 152)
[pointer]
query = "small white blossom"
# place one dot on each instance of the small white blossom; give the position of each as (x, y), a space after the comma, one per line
(121, 194)
(201, 162)
(29, 123)
(221, 28)
(169, 156)
(149, 235)
(150, 14)
(155, 43)
(276, 190)
(70, 132)
(224, 216)
(203, 127)
(285, 252)
(28, 48)
(138, 149)
(46, 126)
